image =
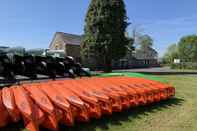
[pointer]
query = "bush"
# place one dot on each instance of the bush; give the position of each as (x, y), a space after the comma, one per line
(185, 65)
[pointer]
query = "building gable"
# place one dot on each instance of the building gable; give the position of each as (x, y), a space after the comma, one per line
(57, 43)
(71, 39)
(69, 43)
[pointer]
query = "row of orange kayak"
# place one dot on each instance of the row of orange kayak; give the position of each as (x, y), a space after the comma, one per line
(48, 104)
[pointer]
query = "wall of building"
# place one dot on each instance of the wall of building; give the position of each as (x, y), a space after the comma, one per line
(58, 43)
(131, 60)
(73, 50)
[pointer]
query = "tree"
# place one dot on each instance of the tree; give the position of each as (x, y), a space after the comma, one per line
(188, 48)
(145, 50)
(171, 54)
(145, 41)
(104, 32)
(137, 30)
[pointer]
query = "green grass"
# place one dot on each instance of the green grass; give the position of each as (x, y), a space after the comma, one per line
(177, 114)
(132, 74)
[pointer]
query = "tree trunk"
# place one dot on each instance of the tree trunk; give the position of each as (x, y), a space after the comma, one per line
(108, 64)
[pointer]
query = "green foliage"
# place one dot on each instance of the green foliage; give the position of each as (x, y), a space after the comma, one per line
(146, 50)
(188, 48)
(145, 41)
(184, 65)
(171, 54)
(185, 50)
(105, 29)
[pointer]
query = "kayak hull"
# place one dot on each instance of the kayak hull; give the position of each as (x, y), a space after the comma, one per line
(50, 103)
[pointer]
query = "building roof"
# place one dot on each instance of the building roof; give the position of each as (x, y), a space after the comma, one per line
(149, 53)
(67, 38)
(70, 38)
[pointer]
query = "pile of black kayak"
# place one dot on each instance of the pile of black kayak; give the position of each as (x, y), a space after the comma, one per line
(38, 62)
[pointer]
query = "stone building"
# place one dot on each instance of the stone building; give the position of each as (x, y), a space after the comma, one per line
(68, 42)
(146, 58)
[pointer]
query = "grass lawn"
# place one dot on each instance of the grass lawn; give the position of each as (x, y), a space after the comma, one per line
(177, 114)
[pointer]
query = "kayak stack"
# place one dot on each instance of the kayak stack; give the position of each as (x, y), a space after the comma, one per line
(50, 103)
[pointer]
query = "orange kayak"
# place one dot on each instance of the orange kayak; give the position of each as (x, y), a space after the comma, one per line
(78, 107)
(38, 113)
(142, 96)
(103, 100)
(152, 93)
(23, 103)
(69, 95)
(122, 94)
(163, 91)
(147, 91)
(40, 98)
(4, 114)
(155, 91)
(49, 103)
(50, 122)
(9, 103)
(43, 103)
(169, 90)
(114, 97)
(77, 88)
(132, 94)
(59, 101)
(91, 101)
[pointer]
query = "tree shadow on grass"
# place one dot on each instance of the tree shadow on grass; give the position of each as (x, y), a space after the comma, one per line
(127, 115)
(115, 119)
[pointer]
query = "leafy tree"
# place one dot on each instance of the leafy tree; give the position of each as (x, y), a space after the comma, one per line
(105, 28)
(171, 54)
(146, 50)
(188, 48)
(131, 40)
(136, 32)
(145, 41)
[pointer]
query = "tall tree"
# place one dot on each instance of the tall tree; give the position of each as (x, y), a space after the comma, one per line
(146, 50)
(105, 29)
(171, 54)
(188, 48)
(145, 41)
(137, 31)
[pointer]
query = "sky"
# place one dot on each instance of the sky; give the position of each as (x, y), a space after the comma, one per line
(32, 23)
